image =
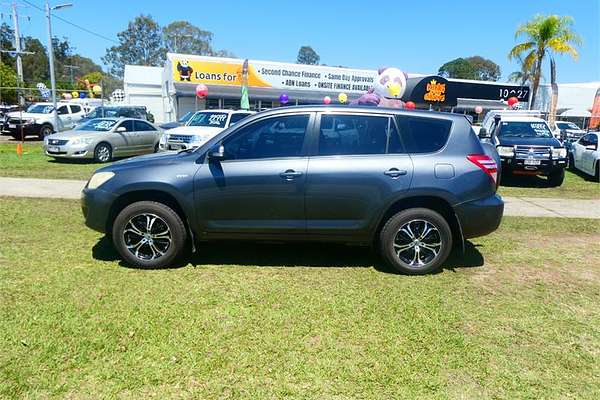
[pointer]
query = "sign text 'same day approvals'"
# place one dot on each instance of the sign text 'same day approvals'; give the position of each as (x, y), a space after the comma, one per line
(274, 75)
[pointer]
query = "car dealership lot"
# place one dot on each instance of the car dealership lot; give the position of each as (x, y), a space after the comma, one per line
(517, 316)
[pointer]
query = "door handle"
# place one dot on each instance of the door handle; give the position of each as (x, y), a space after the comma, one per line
(395, 172)
(290, 174)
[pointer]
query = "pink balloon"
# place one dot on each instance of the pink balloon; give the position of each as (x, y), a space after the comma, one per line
(326, 99)
(478, 109)
(201, 90)
(410, 105)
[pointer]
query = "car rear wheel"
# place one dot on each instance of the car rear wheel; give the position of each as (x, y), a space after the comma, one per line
(103, 153)
(556, 178)
(149, 234)
(416, 241)
(45, 130)
(571, 162)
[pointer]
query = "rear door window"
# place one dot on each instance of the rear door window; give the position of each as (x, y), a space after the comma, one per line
(341, 134)
(143, 126)
(235, 118)
(75, 109)
(423, 135)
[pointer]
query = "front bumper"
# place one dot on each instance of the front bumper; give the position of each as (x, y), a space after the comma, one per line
(69, 151)
(480, 217)
(96, 205)
(526, 167)
(28, 129)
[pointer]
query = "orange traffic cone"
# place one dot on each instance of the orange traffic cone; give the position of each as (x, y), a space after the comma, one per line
(19, 149)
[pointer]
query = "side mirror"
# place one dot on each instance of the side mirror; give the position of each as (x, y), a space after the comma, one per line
(121, 129)
(483, 134)
(216, 153)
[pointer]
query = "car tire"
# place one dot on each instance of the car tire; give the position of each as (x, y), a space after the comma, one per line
(407, 233)
(151, 247)
(556, 178)
(597, 176)
(45, 130)
(103, 153)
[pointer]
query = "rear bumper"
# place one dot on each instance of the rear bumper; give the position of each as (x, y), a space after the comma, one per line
(480, 217)
(96, 205)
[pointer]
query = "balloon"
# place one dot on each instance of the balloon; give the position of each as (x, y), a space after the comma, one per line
(512, 101)
(343, 97)
(97, 89)
(410, 105)
(283, 99)
(75, 94)
(201, 90)
(478, 109)
(326, 99)
(82, 95)
(67, 96)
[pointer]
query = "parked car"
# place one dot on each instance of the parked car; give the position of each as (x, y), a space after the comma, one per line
(125, 111)
(413, 183)
(567, 131)
(180, 122)
(102, 139)
(4, 110)
(527, 147)
(201, 127)
(39, 121)
(585, 155)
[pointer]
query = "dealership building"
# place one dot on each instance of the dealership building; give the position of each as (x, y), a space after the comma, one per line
(169, 91)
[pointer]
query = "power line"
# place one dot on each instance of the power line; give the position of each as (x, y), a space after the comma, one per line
(72, 23)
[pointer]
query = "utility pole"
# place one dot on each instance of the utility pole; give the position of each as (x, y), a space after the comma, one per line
(17, 43)
(51, 57)
(71, 68)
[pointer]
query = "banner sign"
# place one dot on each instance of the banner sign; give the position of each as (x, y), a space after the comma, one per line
(272, 75)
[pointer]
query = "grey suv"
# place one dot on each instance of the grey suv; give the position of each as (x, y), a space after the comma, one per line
(412, 183)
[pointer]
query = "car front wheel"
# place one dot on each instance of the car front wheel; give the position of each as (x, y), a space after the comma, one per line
(149, 234)
(556, 179)
(103, 153)
(45, 130)
(416, 241)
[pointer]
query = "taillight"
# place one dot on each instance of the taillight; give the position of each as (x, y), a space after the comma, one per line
(486, 163)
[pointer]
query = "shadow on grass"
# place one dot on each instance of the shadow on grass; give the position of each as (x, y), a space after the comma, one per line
(291, 255)
(524, 181)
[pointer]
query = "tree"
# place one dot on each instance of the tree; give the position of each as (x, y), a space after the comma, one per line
(475, 67)
(486, 70)
(458, 68)
(7, 38)
(183, 37)
(523, 75)
(306, 55)
(140, 44)
(8, 78)
(35, 66)
(545, 36)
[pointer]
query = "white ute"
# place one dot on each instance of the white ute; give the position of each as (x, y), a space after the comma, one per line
(200, 128)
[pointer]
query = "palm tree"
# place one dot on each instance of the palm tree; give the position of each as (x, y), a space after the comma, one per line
(523, 75)
(545, 36)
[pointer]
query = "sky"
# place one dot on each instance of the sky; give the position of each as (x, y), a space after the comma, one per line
(415, 36)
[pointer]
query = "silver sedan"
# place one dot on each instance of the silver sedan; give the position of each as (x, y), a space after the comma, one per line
(102, 139)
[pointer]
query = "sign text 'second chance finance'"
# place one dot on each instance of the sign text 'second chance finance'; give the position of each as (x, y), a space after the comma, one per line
(274, 75)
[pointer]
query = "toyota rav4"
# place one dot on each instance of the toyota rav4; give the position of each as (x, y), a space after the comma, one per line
(414, 184)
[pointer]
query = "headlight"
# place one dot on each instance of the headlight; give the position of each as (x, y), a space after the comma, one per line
(506, 151)
(99, 178)
(82, 141)
(559, 152)
(197, 138)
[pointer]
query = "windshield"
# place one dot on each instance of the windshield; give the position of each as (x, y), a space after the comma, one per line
(40, 109)
(566, 125)
(97, 125)
(524, 130)
(212, 119)
(186, 117)
(101, 112)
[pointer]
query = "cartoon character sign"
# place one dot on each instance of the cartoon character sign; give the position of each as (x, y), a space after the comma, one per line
(387, 90)
(185, 71)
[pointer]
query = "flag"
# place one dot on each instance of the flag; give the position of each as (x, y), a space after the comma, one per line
(244, 102)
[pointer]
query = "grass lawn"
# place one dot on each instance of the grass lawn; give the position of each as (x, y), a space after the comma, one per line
(577, 185)
(516, 317)
(35, 164)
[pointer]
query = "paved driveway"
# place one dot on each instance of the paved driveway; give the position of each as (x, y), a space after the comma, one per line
(514, 206)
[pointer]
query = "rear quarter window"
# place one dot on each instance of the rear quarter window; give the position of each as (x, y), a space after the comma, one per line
(423, 135)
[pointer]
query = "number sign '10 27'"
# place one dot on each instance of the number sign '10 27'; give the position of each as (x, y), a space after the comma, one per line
(521, 94)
